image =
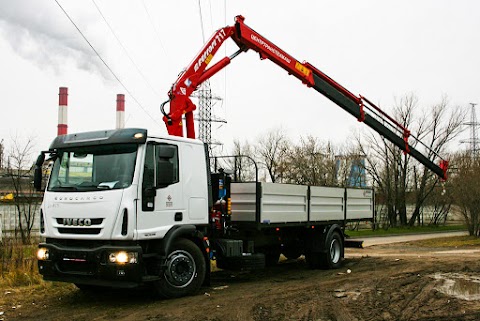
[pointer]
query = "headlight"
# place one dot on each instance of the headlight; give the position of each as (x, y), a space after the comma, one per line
(42, 254)
(123, 257)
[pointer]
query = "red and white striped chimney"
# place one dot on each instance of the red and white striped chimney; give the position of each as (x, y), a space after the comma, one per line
(62, 111)
(120, 111)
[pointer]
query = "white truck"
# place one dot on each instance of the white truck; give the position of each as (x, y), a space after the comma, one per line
(124, 209)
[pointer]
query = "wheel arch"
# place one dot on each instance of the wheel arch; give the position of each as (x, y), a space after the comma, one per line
(335, 228)
(175, 232)
(318, 239)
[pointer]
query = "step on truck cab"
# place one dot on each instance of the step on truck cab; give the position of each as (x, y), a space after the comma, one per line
(122, 209)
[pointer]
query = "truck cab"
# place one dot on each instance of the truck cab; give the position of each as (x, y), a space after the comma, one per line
(113, 200)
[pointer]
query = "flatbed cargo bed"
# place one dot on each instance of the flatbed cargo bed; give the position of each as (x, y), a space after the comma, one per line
(272, 204)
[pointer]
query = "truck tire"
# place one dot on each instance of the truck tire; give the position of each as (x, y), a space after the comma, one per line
(184, 270)
(330, 255)
(333, 256)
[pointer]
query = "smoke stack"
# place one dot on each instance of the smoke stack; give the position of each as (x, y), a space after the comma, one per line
(120, 111)
(62, 111)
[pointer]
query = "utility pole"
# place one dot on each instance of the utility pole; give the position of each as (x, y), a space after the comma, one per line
(205, 113)
(204, 95)
(205, 118)
(473, 140)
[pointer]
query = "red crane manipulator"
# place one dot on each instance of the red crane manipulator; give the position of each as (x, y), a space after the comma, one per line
(246, 38)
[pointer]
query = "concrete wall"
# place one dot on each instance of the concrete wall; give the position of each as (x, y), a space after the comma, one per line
(9, 220)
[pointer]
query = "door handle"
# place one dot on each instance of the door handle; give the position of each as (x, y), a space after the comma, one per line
(178, 216)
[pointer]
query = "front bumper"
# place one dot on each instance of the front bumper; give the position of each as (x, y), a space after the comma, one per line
(91, 265)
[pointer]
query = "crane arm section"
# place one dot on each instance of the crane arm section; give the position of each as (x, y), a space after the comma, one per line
(247, 38)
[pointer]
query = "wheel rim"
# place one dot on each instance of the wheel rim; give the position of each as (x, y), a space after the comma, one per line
(181, 269)
(335, 251)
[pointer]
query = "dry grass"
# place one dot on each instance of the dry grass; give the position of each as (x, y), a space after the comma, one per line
(18, 265)
(448, 242)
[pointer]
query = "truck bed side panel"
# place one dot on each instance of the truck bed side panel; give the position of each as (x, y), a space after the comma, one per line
(326, 203)
(243, 197)
(279, 203)
(284, 203)
(359, 204)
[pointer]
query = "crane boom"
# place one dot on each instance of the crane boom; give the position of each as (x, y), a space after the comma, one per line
(247, 38)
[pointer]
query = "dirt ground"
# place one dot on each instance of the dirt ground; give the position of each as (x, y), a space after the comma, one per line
(402, 281)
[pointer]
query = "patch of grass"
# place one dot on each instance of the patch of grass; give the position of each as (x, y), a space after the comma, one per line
(18, 265)
(406, 230)
(454, 241)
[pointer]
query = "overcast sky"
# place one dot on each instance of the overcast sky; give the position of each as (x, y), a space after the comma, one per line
(380, 49)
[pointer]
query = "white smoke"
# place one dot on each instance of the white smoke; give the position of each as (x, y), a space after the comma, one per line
(39, 31)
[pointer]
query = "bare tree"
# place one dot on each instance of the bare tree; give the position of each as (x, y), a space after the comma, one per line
(271, 151)
(438, 129)
(465, 190)
(383, 168)
(396, 176)
(240, 162)
(441, 202)
(311, 163)
(20, 170)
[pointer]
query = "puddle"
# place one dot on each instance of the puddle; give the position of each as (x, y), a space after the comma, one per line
(461, 286)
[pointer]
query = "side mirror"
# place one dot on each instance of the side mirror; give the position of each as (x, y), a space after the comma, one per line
(38, 174)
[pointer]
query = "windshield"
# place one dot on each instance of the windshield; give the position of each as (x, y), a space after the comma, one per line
(93, 168)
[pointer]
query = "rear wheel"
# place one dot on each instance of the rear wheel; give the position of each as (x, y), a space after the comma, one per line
(332, 258)
(184, 270)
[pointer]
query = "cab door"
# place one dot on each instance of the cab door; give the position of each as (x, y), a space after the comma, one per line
(161, 202)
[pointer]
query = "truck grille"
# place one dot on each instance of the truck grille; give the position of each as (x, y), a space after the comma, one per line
(72, 227)
(76, 230)
(94, 221)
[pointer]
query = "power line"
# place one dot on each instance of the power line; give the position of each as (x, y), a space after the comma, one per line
(154, 29)
(211, 16)
(125, 50)
(106, 65)
(201, 20)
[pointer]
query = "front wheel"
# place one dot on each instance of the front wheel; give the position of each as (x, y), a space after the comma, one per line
(183, 272)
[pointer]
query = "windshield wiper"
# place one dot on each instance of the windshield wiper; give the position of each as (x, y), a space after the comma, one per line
(64, 188)
(107, 185)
